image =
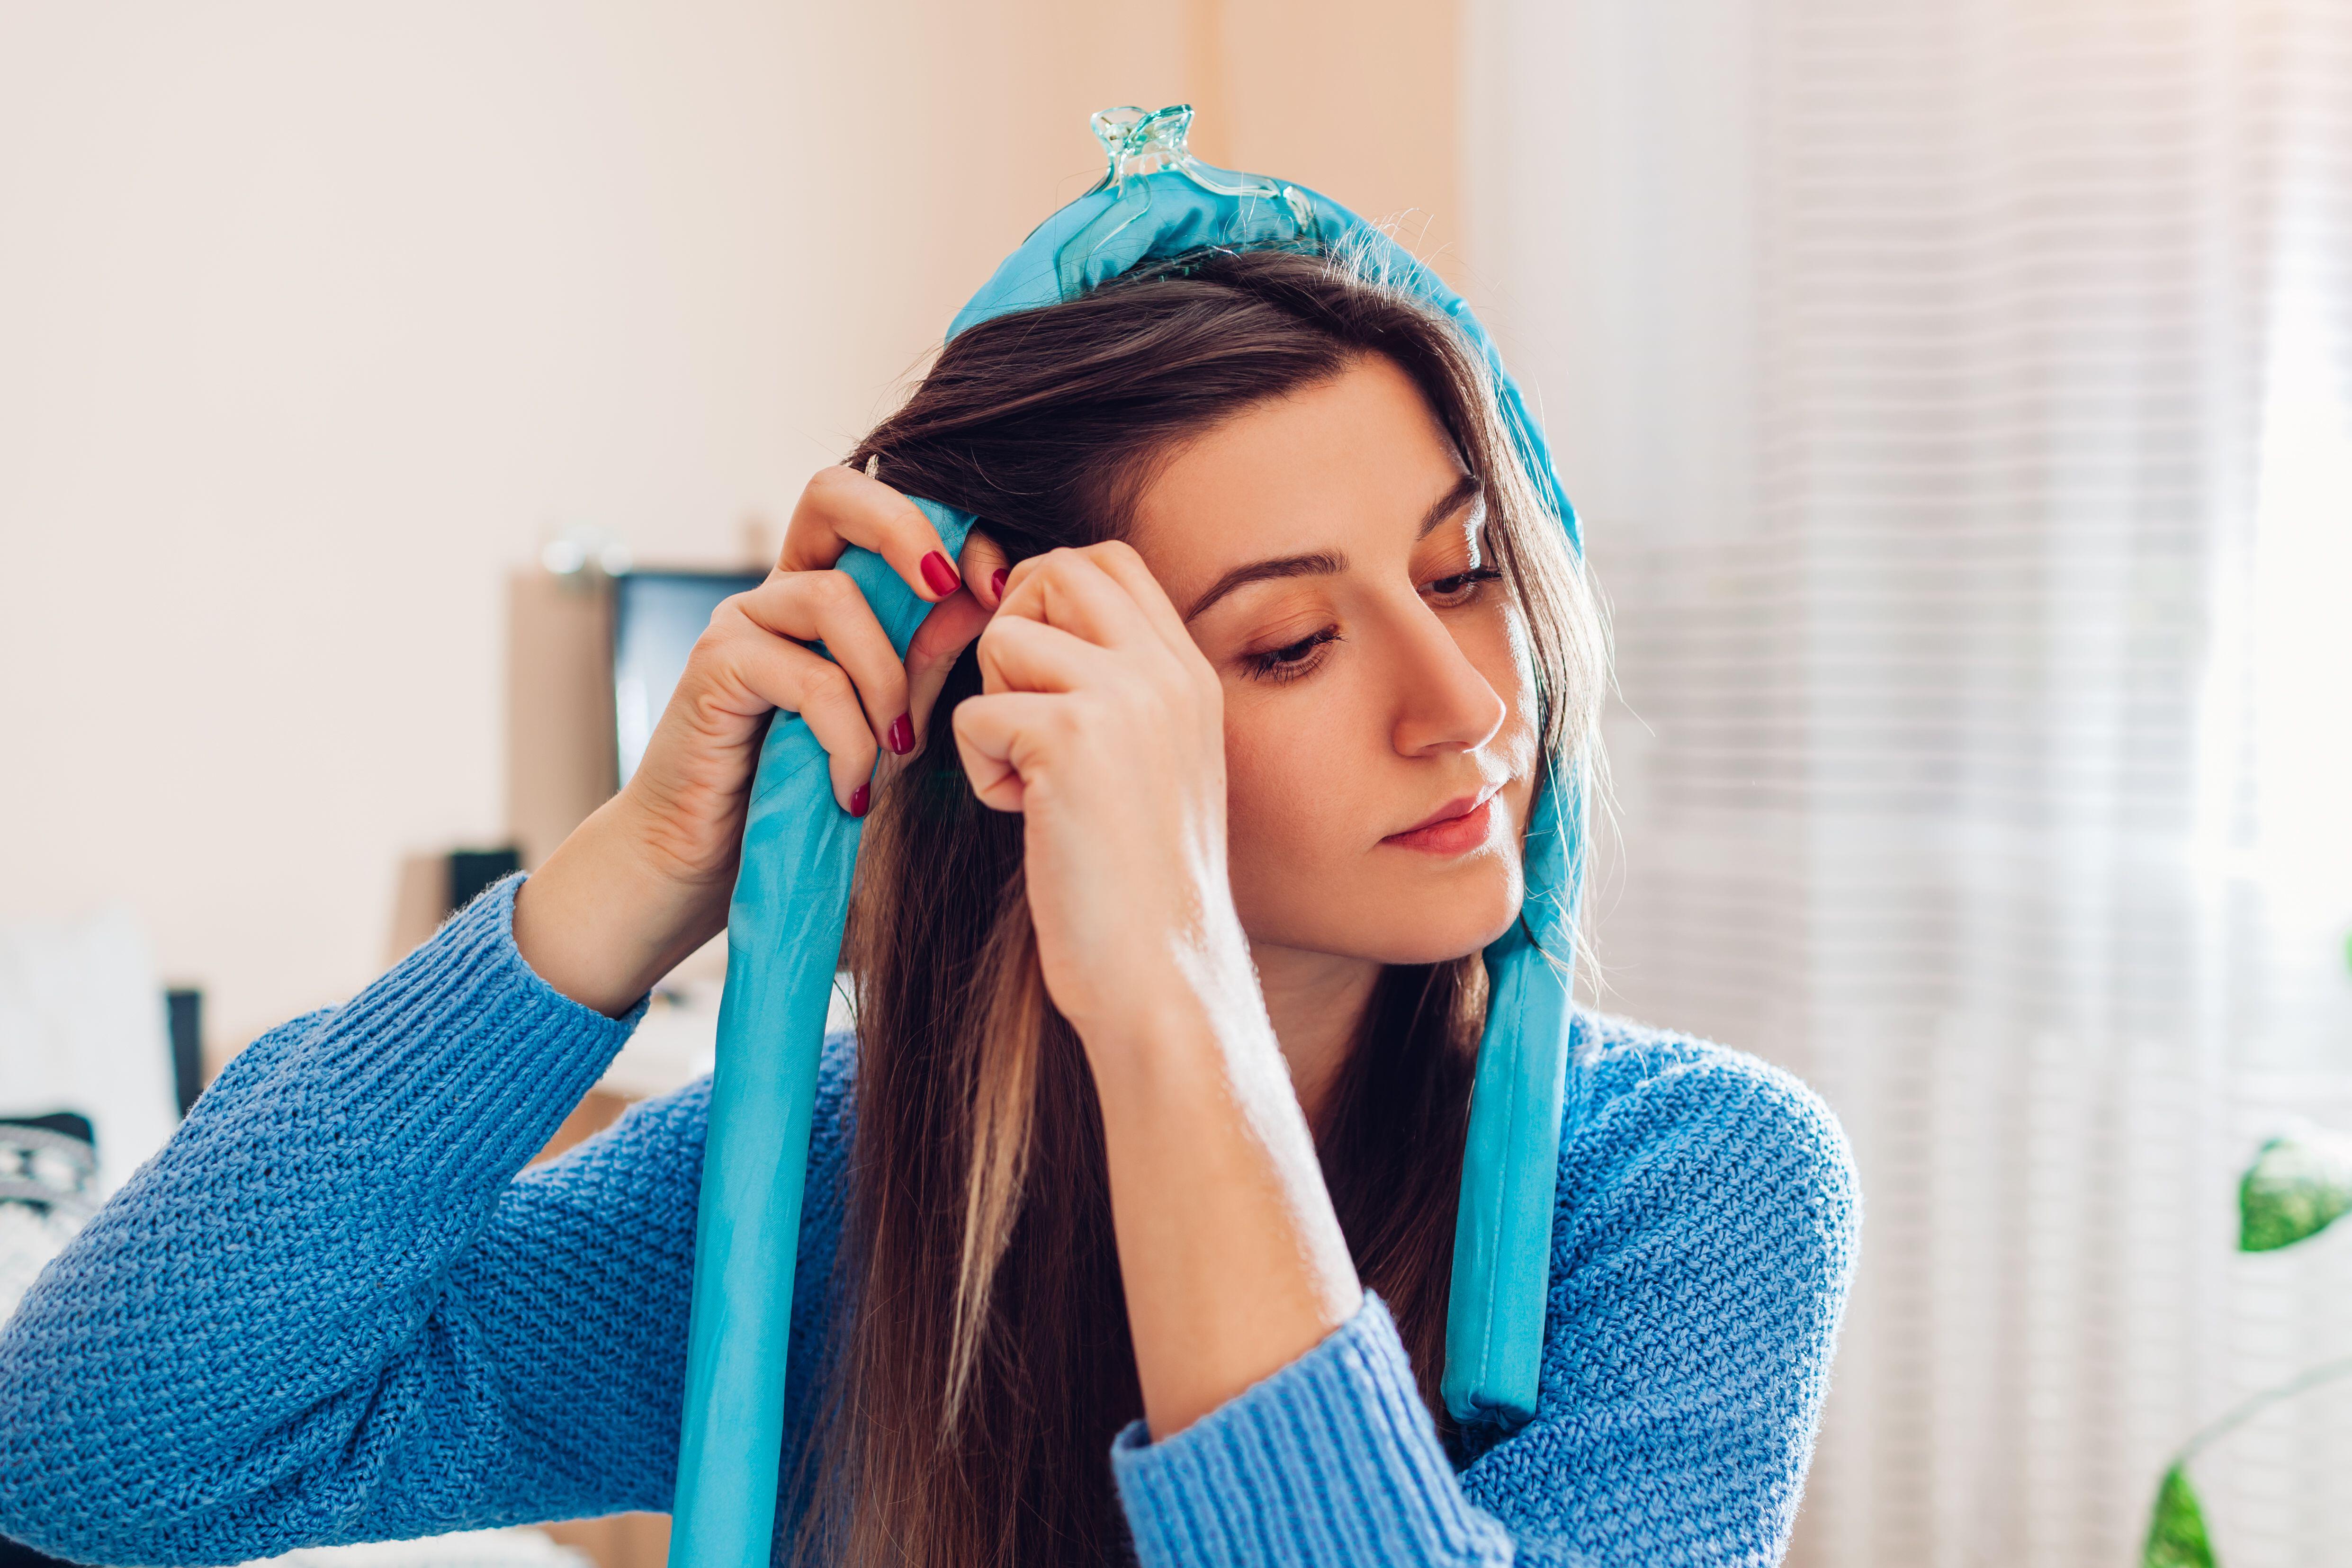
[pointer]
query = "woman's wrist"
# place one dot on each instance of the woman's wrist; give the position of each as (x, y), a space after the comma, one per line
(1177, 1019)
(599, 922)
(1181, 971)
(1233, 1261)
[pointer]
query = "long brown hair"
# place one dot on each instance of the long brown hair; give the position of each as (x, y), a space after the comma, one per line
(982, 1360)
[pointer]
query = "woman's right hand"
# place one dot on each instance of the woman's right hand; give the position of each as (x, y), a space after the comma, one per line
(647, 878)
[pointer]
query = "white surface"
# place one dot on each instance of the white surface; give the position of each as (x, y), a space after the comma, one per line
(517, 1548)
(82, 1029)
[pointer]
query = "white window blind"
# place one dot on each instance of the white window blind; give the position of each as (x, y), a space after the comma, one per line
(1959, 393)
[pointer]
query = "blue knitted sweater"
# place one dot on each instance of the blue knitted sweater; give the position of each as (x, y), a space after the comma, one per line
(336, 1308)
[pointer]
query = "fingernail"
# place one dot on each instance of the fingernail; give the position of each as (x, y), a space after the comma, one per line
(996, 584)
(938, 575)
(858, 799)
(902, 734)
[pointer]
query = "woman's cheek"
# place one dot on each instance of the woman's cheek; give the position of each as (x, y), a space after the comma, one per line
(1289, 809)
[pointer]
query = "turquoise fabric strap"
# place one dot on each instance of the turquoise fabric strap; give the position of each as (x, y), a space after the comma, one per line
(783, 946)
(784, 932)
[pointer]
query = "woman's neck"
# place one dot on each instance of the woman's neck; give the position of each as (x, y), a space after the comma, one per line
(1315, 1001)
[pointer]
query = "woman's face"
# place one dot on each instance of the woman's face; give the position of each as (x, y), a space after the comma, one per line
(1327, 550)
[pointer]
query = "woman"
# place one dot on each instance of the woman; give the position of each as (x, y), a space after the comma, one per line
(1130, 1205)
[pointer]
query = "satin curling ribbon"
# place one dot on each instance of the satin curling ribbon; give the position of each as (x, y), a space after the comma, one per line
(790, 899)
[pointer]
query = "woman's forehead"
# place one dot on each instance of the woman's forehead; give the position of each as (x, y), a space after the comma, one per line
(1352, 463)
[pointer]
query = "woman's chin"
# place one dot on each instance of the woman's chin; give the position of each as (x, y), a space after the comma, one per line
(1432, 926)
(1470, 937)
(1469, 904)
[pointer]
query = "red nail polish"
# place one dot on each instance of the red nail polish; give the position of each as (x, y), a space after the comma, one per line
(859, 799)
(996, 584)
(902, 734)
(939, 575)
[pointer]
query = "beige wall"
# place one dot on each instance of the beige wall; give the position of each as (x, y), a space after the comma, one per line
(315, 322)
(1357, 101)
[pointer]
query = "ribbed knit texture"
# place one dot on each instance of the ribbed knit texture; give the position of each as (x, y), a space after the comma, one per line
(331, 1309)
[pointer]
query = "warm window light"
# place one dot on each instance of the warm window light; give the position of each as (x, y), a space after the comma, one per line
(2277, 799)
(2301, 632)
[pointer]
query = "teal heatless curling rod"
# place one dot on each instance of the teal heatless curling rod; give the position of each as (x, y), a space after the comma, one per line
(784, 925)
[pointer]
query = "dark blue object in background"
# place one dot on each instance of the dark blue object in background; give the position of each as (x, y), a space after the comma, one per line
(657, 616)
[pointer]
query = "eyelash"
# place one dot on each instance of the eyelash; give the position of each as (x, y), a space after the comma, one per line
(1271, 665)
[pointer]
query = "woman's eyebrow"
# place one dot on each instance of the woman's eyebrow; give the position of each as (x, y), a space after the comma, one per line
(1322, 563)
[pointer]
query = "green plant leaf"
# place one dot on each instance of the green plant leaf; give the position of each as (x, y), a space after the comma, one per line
(2176, 1531)
(2297, 1186)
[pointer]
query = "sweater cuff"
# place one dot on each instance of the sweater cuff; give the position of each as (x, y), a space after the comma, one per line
(1331, 1460)
(464, 1051)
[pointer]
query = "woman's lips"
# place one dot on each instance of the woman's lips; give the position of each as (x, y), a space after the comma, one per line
(1458, 825)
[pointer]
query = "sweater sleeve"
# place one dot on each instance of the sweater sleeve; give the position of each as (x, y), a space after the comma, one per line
(1702, 1252)
(328, 1310)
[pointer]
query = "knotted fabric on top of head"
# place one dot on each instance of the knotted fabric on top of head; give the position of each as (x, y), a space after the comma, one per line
(791, 894)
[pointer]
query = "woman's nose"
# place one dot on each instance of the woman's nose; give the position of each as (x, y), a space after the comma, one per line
(1443, 701)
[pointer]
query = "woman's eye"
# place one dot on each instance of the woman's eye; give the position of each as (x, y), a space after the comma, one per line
(1464, 586)
(1291, 661)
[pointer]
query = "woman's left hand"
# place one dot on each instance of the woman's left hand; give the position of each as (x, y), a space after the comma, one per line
(1101, 722)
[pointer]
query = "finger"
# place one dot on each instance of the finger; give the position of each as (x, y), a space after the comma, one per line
(1124, 565)
(982, 563)
(802, 681)
(945, 633)
(1000, 737)
(842, 507)
(1019, 654)
(1067, 588)
(829, 606)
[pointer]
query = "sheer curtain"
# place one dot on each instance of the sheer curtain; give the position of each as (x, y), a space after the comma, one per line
(1959, 396)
